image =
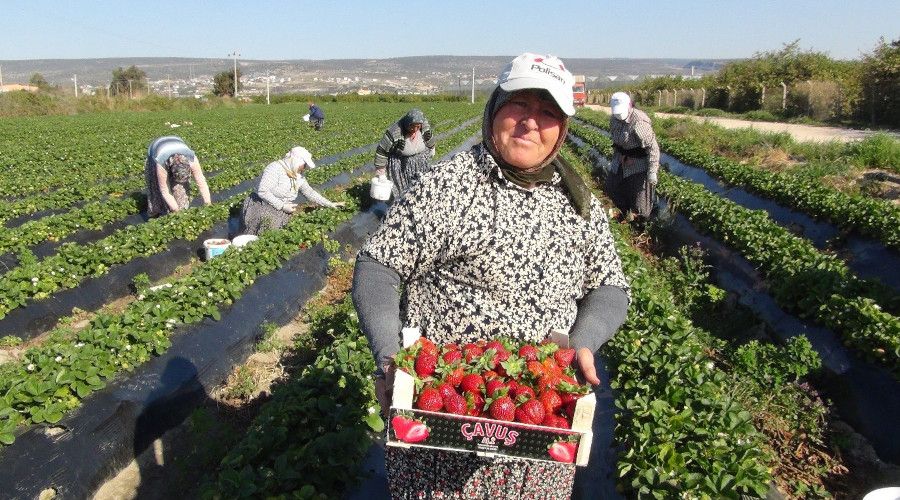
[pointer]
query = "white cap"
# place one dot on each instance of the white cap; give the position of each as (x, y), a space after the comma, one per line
(620, 104)
(535, 71)
(299, 154)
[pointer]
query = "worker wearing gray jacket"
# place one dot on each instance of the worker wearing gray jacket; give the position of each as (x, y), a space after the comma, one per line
(405, 150)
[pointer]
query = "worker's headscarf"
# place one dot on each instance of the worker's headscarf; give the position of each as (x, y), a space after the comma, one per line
(414, 116)
(179, 167)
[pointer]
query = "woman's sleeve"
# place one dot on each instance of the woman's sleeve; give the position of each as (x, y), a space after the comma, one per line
(428, 135)
(311, 194)
(605, 303)
(267, 184)
(376, 297)
(383, 150)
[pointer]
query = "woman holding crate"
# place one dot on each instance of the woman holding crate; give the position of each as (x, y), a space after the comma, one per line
(405, 150)
(502, 240)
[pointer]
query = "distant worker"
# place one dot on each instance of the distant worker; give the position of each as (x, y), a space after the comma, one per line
(273, 202)
(168, 170)
(316, 116)
(632, 183)
(405, 150)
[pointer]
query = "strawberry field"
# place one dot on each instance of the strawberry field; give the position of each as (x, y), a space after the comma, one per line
(703, 394)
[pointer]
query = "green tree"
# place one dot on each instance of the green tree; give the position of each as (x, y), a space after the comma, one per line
(127, 81)
(223, 83)
(881, 84)
(39, 81)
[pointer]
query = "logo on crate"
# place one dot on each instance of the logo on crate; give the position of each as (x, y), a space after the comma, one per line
(490, 433)
(409, 430)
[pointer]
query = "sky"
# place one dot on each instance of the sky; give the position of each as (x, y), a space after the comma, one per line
(272, 30)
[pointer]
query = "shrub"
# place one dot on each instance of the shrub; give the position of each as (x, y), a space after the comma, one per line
(761, 115)
(877, 151)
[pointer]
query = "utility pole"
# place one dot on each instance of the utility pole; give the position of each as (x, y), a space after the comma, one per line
(235, 55)
(169, 86)
(130, 90)
(76, 84)
(473, 84)
(459, 86)
(267, 88)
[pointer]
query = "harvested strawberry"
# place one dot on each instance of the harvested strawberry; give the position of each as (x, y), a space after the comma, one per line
(451, 357)
(474, 404)
(425, 364)
(455, 404)
(528, 352)
(472, 352)
(503, 408)
(472, 383)
(427, 346)
(455, 377)
(430, 400)
(552, 420)
(564, 357)
(451, 347)
(490, 375)
(551, 400)
(523, 391)
(563, 451)
(446, 390)
(530, 412)
(493, 385)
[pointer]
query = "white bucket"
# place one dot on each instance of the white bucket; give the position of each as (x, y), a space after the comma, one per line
(306, 117)
(244, 239)
(215, 246)
(890, 493)
(380, 188)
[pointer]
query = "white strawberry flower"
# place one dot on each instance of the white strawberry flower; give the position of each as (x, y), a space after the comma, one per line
(30, 367)
(58, 359)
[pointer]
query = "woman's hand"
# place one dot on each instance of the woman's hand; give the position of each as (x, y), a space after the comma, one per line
(340, 204)
(586, 363)
(384, 389)
(289, 208)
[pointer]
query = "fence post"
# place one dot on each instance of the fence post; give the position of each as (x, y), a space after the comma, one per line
(762, 98)
(675, 98)
(728, 99)
(703, 99)
(783, 96)
(809, 99)
(659, 99)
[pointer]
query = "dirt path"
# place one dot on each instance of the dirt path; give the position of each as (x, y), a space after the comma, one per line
(805, 133)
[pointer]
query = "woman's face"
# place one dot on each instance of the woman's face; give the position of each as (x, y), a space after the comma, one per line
(526, 129)
(415, 127)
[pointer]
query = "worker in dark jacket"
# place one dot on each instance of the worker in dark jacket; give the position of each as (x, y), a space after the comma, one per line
(316, 116)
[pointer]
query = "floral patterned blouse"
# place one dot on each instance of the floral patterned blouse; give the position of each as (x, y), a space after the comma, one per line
(481, 257)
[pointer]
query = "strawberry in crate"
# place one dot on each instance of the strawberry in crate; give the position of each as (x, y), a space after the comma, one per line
(501, 379)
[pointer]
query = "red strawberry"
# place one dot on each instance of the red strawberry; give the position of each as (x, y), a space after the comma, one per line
(535, 368)
(530, 412)
(503, 408)
(551, 420)
(456, 404)
(427, 346)
(474, 403)
(564, 357)
(492, 386)
(430, 400)
(563, 451)
(472, 383)
(425, 364)
(528, 352)
(551, 400)
(472, 352)
(523, 390)
(446, 390)
(451, 357)
(491, 374)
(455, 377)
(401, 426)
(451, 347)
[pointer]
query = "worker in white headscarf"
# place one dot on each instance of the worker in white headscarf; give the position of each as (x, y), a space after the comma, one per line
(273, 202)
(635, 165)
